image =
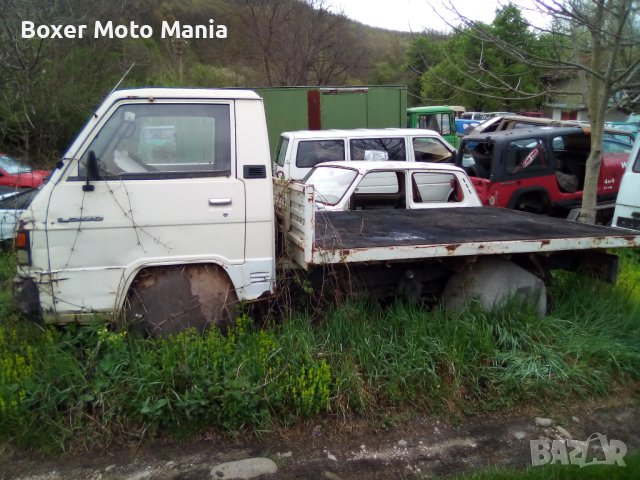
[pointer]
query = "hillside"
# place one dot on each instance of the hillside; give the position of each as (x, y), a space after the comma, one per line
(49, 85)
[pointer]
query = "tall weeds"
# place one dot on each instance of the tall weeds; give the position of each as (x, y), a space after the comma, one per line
(89, 385)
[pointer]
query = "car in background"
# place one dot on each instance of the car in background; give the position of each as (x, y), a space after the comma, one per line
(540, 170)
(511, 122)
(474, 116)
(627, 212)
(375, 185)
(299, 151)
(465, 125)
(12, 205)
(16, 174)
(613, 145)
(630, 127)
(499, 114)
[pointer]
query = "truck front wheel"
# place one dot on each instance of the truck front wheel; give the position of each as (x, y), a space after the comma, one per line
(168, 300)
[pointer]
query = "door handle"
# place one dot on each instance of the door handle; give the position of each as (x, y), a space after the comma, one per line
(219, 202)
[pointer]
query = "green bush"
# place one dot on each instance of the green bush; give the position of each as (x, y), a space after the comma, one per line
(98, 382)
(91, 384)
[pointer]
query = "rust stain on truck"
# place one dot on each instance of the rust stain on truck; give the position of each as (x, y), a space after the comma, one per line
(451, 249)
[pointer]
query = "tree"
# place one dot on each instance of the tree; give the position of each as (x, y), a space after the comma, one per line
(301, 42)
(47, 85)
(424, 51)
(478, 74)
(597, 40)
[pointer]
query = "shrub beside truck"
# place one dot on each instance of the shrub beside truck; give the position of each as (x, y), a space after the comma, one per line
(174, 232)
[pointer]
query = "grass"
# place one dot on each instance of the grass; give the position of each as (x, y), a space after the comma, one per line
(89, 384)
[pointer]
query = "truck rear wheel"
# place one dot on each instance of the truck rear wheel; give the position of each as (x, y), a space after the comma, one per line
(493, 282)
(167, 300)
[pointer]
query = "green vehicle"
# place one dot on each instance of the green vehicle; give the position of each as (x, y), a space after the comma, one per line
(438, 118)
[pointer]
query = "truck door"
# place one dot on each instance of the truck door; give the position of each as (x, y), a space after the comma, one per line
(155, 184)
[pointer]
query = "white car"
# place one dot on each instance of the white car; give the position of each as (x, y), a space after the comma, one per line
(627, 213)
(12, 205)
(474, 116)
(369, 185)
(299, 151)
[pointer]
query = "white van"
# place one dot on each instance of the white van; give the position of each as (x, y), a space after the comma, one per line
(298, 152)
(627, 213)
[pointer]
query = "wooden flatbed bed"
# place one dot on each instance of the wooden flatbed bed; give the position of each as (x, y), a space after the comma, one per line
(449, 226)
(314, 237)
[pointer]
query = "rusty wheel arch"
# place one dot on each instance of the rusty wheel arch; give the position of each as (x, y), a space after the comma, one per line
(163, 300)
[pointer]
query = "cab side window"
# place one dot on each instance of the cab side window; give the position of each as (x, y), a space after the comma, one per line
(435, 187)
(429, 149)
(439, 122)
(526, 156)
(283, 144)
(377, 149)
(147, 140)
(312, 152)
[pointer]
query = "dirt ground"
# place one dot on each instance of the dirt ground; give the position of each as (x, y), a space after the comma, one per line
(397, 446)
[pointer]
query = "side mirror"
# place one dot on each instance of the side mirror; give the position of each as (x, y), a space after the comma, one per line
(93, 172)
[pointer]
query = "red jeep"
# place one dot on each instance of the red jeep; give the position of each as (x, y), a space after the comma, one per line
(540, 170)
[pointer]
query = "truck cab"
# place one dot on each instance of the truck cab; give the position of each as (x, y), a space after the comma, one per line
(540, 170)
(158, 183)
(438, 118)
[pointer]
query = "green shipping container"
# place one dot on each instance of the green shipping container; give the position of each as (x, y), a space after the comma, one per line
(321, 108)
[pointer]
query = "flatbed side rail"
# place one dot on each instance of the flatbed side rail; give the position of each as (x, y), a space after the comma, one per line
(442, 251)
(401, 235)
(294, 207)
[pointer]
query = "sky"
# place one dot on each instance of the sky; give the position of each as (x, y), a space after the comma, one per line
(416, 15)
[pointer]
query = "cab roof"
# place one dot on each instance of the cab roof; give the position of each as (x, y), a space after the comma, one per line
(182, 94)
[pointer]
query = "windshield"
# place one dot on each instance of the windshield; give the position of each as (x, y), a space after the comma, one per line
(430, 149)
(477, 157)
(12, 166)
(168, 139)
(330, 183)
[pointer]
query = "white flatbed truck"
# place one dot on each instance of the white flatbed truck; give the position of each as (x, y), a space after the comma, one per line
(171, 227)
